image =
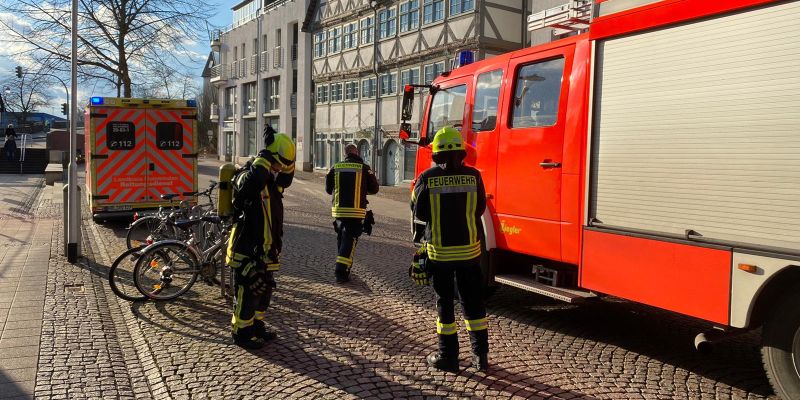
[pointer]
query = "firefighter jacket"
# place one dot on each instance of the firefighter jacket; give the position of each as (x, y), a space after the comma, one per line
(258, 204)
(451, 204)
(349, 182)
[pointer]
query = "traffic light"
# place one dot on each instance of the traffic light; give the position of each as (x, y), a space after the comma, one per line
(19, 71)
(64, 108)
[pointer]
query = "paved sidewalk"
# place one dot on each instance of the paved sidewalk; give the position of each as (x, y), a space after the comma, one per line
(24, 260)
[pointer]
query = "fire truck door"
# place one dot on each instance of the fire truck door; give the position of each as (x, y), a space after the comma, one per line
(530, 153)
(170, 155)
(118, 158)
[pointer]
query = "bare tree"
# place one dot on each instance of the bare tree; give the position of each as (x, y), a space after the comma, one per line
(204, 103)
(28, 94)
(118, 39)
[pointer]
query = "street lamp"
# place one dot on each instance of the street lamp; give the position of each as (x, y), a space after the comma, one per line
(376, 138)
(7, 90)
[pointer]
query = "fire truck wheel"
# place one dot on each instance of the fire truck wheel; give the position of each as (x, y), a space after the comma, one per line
(781, 346)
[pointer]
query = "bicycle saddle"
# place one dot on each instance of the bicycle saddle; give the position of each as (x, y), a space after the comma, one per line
(186, 224)
(169, 196)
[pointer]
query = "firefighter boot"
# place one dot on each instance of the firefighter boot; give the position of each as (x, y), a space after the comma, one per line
(342, 273)
(260, 331)
(480, 362)
(443, 362)
(446, 358)
(480, 349)
(245, 338)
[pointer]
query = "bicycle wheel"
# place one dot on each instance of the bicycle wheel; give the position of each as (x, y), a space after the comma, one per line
(166, 271)
(148, 227)
(120, 276)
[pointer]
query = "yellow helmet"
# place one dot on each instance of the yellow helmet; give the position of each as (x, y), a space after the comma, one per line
(447, 139)
(282, 151)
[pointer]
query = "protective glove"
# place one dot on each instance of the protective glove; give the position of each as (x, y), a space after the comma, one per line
(257, 281)
(369, 220)
(418, 270)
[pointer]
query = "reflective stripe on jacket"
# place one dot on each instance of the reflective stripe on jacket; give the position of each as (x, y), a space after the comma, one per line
(451, 204)
(349, 182)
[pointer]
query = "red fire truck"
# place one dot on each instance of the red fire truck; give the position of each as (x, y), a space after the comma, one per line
(139, 149)
(654, 157)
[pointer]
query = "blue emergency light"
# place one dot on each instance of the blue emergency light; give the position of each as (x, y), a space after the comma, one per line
(465, 57)
(191, 103)
(96, 101)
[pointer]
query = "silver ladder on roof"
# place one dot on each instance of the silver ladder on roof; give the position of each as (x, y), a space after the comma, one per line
(572, 16)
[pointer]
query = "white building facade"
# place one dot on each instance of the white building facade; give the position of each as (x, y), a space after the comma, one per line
(365, 52)
(263, 74)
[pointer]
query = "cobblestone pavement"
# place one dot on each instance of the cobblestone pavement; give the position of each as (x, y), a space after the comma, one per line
(368, 338)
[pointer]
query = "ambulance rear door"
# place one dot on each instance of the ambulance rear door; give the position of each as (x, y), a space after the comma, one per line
(118, 160)
(171, 152)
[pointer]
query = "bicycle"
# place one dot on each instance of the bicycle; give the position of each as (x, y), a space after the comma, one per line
(167, 269)
(153, 228)
(120, 275)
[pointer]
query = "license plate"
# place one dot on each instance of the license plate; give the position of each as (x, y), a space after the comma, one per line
(119, 208)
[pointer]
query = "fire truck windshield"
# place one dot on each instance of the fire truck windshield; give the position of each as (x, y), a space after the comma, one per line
(447, 108)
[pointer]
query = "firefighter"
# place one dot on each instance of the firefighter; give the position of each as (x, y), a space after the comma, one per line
(349, 182)
(255, 244)
(450, 199)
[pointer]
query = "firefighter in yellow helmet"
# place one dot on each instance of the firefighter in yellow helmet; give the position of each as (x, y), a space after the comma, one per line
(254, 248)
(349, 182)
(450, 199)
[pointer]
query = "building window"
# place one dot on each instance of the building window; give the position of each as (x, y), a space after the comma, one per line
(320, 159)
(387, 23)
(410, 161)
(432, 11)
(249, 132)
(322, 94)
(351, 91)
(388, 84)
(536, 95)
(409, 77)
(368, 88)
(319, 45)
(272, 94)
(249, 98)
(461, 6)
(334, 40)
(336, 92)
(350, 36)
(432, 71)
(230, 102)
(367, 30)
(484, 109)
(409, 16)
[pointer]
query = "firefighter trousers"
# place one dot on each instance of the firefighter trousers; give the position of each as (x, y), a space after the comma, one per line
(253, 292)
(469, 281)
(348, 230)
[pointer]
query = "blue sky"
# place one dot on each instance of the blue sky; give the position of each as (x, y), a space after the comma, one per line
(222, 16)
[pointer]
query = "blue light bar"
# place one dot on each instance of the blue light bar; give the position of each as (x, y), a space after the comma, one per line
(191, 103)
(96, 101)
(465, 57)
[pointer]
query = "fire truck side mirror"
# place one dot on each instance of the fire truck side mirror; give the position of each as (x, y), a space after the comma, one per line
(408, 102)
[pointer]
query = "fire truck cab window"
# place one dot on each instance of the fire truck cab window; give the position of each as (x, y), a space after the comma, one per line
(447, 108)
(536, 94)
(169, 136)
(487, 91)
(120, 135)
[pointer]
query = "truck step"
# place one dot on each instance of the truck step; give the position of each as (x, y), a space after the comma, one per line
(526, 282)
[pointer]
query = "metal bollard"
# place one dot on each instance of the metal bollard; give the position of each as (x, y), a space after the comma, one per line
(66, 225)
